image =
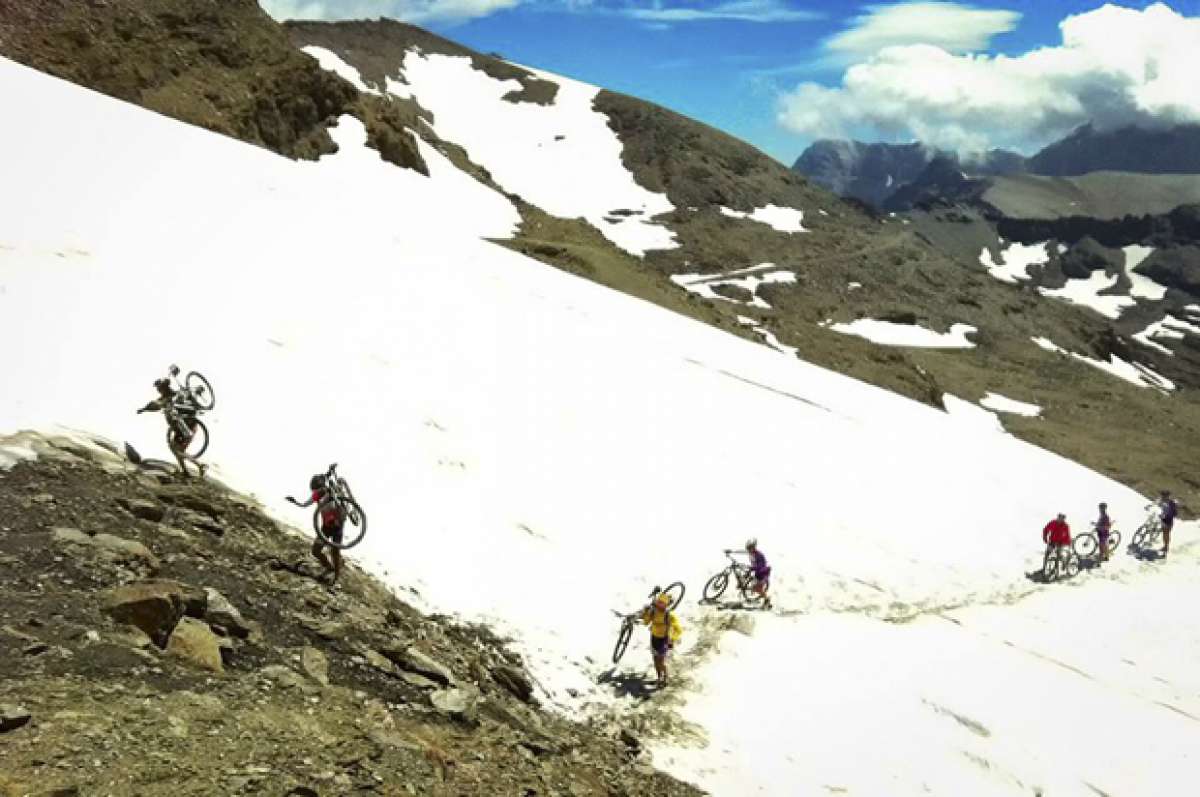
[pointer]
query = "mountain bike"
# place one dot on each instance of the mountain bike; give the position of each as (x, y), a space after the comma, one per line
(739, 572)
(195, 389)
(347, 506)
(186, 433)
(1149, 534)
(1059, 561)
(1086, 545)
(628, 621)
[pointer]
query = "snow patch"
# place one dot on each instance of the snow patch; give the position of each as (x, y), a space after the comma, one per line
(888, 333)
(1134, 373)
(778, 218)
(703, 284)
(1015, 260)
(1168, 327)
(1141, 287)
(563, 158)
(971, 414)
(1001, 403)
(1086, 292)
(332, 62)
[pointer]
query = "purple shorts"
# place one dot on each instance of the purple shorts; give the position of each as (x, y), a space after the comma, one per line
(661, 645)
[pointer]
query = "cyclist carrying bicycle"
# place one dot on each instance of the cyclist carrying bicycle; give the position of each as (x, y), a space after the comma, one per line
(665, 631)
(1168, 509)
(1057, 534)
(1103, 530)
(168, 403)
(761, 571)
(333, 523)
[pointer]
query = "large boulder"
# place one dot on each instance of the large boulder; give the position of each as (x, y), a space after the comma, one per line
(153, 606)
(195, 643)
(13, 717)
(140, 508)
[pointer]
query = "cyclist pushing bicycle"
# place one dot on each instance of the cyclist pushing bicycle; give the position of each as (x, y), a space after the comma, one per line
(665, 631)
(1057, 536)
(333, 522)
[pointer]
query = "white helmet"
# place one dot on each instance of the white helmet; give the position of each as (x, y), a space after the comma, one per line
(751, 543)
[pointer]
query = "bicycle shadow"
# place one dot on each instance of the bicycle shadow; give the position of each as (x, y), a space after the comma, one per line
(733, 606)
(628, 684)
(1145, 554)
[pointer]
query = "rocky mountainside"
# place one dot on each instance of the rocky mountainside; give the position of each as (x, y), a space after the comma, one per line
(878, 173)
(158, 637)
(1172, 150)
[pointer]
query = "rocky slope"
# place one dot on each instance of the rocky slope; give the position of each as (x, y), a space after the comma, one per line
(160, 637)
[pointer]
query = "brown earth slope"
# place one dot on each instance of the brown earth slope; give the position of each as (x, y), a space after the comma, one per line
(159, 638)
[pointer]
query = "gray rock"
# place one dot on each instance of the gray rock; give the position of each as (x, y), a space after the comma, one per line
(13, 717)
(63, 535)
(419, 681)
(409, 659)
(380, 662)
(222, 612)
(43, 499)
(122, 550)
(516, 682)
(140, 508)
(459, 703)
(281, 676)
(315, 665)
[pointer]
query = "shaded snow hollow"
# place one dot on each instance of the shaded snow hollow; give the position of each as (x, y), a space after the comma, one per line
(564, 447)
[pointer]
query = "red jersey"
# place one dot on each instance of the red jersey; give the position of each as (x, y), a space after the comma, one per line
(1057, 532)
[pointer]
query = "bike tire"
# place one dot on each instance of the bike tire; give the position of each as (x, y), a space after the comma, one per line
(1071, 566)
(353, 529)
(622, 640)
(1085, 545)
(194, 450)
(200, 390)
(1138, 542)
(676, 591)
(1114, 540)
(715, 587)
(1050, 565)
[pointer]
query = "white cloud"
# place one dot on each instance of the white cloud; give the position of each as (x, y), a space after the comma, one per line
(953, 27)
(733, 10)
(408, 10)
(1115, 66)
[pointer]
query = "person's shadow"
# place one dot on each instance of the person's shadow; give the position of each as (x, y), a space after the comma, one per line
(1145, 554)
(628, 684)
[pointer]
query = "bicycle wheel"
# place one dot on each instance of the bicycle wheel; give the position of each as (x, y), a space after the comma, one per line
(676, 592)
(622, 640)
(353, 529)
(1086, 545)
(1050, 566)
(200, 390)
(196, 446)
(1139, 538)
(1071, 564)
(1114, 540)
(716, 586)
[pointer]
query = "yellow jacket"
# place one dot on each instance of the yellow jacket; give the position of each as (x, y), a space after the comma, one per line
(658, 621)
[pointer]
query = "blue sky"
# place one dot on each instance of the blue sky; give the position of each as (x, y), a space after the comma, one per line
(771, 71)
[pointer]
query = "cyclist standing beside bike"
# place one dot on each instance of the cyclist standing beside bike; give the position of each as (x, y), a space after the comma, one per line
(1168, 509)
(665, 631)
(761, 571)
(333, 523)
(167, 403)
(1057, 534)
(1103, 529)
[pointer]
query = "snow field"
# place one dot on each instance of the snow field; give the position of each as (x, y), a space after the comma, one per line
(534, 450)
(775, 217)
(1015, 260)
